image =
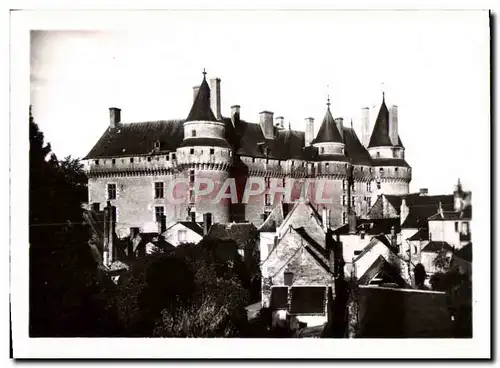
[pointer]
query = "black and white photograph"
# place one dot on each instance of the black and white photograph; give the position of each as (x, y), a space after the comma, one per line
(250, 183)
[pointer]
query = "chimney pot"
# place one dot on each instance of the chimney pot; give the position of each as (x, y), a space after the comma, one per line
(393, 125)
(235, 113)
(280, 122)
(114, 117)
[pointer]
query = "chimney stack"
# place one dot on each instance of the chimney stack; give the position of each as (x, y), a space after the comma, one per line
(215, 97)
(393, 125)
(114, 117)
(193, 216)
(404, 211)
(280, 122)
(207, 223)
(235, 114)
(309, 133)
(324, 218)
(195, 92)
(340, 126)
(352, 221)
(365, 126)
(266, 124)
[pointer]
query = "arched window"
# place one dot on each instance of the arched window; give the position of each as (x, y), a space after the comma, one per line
(193, 133)
(378, 154)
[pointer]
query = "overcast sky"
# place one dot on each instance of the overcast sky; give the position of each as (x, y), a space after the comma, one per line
(433, 65)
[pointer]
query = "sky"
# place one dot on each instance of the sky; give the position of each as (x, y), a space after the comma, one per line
(433, 65)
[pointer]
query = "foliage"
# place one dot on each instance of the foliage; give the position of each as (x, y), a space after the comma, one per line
(420, 276)
(67, 295)
(442, 260)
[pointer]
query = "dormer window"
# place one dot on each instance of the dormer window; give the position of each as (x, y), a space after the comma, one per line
(193, 133)
(157, 144)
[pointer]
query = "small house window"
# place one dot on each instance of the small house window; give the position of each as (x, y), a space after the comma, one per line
(159, 190)
(181, 236)
(159, 212)
(96, 162)
(191, 151)
(288, 278)
(111, 191)
(193, 133)
(212, 151)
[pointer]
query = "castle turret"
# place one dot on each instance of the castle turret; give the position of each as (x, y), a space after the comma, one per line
(205, 156)
(329, 140)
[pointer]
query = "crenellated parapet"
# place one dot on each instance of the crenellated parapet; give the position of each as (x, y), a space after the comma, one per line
(392, 173)
(204, 158)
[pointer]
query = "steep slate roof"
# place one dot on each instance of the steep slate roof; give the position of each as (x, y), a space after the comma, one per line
(138, 139)
(328, 131)
(380, 265)
(192, 226)
(465, 252)
(201, 109)
(380, 134)
(436, 246)
(372, 226)
(422, 234)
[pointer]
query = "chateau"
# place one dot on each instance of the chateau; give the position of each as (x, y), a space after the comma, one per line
(133, 164)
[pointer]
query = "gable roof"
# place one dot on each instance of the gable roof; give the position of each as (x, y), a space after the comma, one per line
(380, 265)
(421, 234)
(191, 225)
(328, 131)
(201, 109)
(380, 134)
(375, 240)
(436, 246)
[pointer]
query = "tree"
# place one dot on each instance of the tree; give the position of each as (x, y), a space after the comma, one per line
(420, 276)
(67, 296)
(442, 260)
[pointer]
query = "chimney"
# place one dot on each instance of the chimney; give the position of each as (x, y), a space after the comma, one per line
(365, 126)
(280, 122)
(340, 126)
(215, 97)
(393, 125)
(394, 239)
(404, 211)
(424, 191)
(440, 209)
(266, 124)
(324, 218)
(114, 117)
(193, 216)
(207, 222)
(235, 114)
(309, 133)
(195, 92)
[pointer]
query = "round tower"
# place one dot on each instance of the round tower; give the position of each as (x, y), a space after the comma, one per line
(392, 173)
(204, 159)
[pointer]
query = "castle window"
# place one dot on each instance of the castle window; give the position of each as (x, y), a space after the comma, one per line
(111, 191)
(267, 160)
(167, 158)
(378, 154)
(96, 162)
(193, 133)
(267, 199)
(344, 184)
(173, 156)
(344, 217)
(353, 201)
(131, 160)
(381, 170)
(149, 158)
(456, 226)
(159, 212)
(212, 151)
(396, 169)
(378, 185)
(159, 193)
(253, 159)
(369, 186)
(346, 166)
(322, 149)
(157, 158)
(191, 176)
(191, 151)
(267, 182)
(361, 168)
(343, 200)
(369, 202)
(113, 161)
(181, 236)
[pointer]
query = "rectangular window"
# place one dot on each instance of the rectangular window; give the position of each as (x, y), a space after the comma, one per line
(343, 200)
(267, 199)
(378, 185)
(159, 212)
(191, 176)
(191, 151)
(159, 190)
(344, 217)
(111, 191)
(465, 228)
(344, 184)
(279, 297)
(113, 161)
(456, 226)
(212, 151)
(353, 201)
(369, 201)
(369, 186)
(131, 160)
(149, 158)
(96, 162)
(181, 236)
(253, 159)
(167, 158)
(173, 156)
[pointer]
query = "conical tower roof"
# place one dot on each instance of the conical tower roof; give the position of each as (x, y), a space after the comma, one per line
(380, 134)
(201, 109)
(328, 131)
